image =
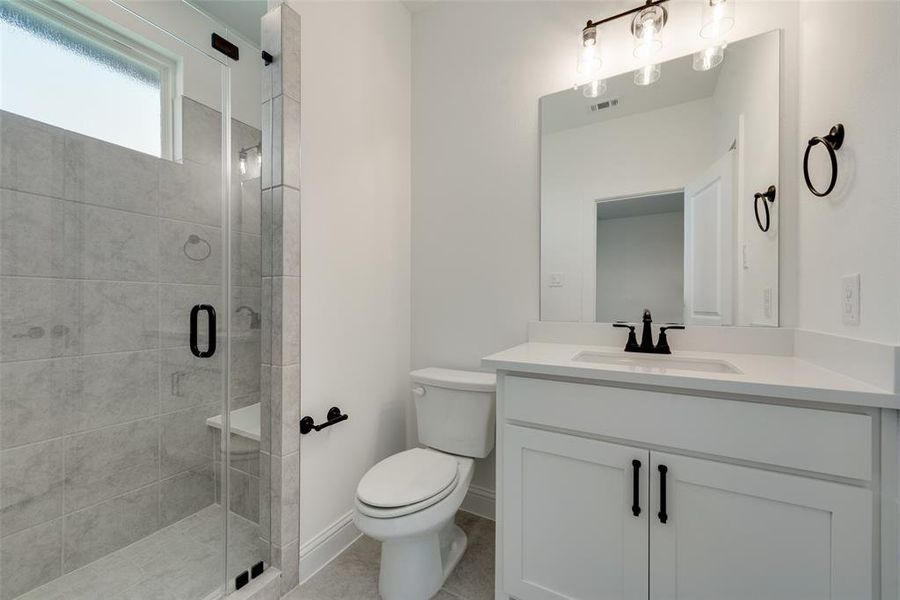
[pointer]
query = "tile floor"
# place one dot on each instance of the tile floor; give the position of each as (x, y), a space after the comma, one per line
(353, 575)
(180, 562)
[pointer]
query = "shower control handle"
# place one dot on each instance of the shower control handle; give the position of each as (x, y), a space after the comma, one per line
(211, 324)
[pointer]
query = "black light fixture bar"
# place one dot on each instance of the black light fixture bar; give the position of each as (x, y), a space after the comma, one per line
(648, 4)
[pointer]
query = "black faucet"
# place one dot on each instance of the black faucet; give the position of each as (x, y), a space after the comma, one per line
(646, 346)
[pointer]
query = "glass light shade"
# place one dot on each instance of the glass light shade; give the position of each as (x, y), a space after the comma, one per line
(594, 89)
(647, 75)
(646, 27)
(709, 58)
(589, 61)
(717, 19)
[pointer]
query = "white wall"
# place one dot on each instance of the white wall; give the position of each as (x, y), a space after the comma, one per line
(850, 73)
(476, 160)
(640, 263)
(355, 207)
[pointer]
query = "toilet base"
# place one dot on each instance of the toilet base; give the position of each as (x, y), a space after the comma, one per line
(415, 568)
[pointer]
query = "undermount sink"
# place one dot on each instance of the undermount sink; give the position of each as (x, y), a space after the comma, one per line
(656, 363)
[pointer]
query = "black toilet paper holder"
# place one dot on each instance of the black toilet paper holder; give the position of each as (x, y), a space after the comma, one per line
(334, 416)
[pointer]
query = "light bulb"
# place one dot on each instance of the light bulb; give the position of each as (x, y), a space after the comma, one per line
(589, 61)
(243, 164)
(648, 74)
(646, 27)
(709, 58)
(594, 89)
(717, 19)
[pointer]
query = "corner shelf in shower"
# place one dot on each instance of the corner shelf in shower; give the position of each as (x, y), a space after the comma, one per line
(244, 422)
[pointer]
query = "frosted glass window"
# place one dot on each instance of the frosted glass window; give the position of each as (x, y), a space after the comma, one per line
(57, 72)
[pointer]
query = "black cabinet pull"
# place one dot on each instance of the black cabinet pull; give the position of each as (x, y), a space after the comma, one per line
(663, 516)
(636, 488)
(211, 324)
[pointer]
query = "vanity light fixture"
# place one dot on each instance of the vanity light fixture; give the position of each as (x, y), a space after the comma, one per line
(709, 58)
(243, 155)
(717, 19)
(647, 24)
(589, 61)
(646, 28)
(594, 89)
(647, 75)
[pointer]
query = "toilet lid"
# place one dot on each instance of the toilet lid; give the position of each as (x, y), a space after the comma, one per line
(407, 478)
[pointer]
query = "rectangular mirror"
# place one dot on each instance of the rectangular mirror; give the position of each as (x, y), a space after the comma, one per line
(649, 194)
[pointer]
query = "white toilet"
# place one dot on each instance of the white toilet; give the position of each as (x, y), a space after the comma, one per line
(409, 500)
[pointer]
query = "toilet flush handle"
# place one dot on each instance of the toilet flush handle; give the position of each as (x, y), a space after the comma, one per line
(418, 391)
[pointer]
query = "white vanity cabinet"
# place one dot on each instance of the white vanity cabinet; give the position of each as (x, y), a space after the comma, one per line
(571, 528)
(762, 500)
(746, 533)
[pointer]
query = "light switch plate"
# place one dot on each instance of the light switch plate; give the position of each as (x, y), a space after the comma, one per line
(850, 299)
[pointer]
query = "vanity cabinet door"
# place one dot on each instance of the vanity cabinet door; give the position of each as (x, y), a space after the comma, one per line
(742, 533)
(569, 528)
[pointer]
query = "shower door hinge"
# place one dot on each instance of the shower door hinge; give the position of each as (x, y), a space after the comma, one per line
(241, 580)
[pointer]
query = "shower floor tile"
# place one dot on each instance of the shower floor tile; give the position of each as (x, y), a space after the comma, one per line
(180, 562)
(353, 574)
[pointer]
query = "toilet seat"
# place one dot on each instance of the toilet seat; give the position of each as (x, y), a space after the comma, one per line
(407, 482)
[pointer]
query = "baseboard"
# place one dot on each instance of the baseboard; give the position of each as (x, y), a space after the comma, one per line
(321, 549)
(480, 501)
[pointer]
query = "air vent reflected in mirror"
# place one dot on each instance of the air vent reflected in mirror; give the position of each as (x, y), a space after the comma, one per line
(605, 104)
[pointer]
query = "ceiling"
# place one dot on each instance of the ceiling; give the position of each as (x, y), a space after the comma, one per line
(242, 16)
(638, 206)
(679, 83)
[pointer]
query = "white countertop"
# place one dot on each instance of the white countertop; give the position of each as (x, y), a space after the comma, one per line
(761, 375)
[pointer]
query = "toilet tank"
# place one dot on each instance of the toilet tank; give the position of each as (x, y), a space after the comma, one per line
(455, 410)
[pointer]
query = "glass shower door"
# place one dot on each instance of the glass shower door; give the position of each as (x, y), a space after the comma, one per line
(114, 232)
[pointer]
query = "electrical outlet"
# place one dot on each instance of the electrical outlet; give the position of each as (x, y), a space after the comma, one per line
(557, 280)
(850, 299)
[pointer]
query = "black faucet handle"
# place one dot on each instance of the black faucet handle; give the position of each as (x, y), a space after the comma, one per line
(632, 344)
(662, 346)
(623, 324)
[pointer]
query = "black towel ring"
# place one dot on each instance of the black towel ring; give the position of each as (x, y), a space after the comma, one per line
(766, 197)
(832, 142)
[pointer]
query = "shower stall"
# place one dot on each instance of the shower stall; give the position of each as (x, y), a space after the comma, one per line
(134, 446)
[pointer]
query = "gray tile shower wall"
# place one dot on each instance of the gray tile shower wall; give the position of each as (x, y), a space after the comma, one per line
(280, 377)
(103, 438)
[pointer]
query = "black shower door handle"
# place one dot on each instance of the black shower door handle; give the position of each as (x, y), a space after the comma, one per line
(211, 324)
